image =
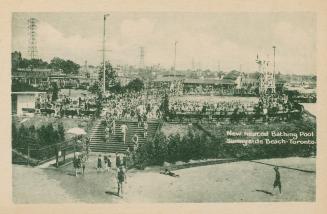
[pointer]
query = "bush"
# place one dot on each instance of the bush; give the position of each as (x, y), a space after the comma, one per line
(38, 140)
(197, 144)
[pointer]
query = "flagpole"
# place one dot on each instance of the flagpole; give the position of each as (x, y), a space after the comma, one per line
(103, 53)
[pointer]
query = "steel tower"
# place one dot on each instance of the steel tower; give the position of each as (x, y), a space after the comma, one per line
(267, 77)
(32, 40)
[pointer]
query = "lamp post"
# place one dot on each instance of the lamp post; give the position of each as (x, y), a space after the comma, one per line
(103, 53)
(274, 47)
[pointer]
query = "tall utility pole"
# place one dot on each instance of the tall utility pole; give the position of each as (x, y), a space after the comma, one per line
(274, 47)
(85, 66)
(104, 50)
(141, 57)
(175, 59)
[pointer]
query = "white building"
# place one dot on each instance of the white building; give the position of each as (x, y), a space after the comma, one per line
(22, 102)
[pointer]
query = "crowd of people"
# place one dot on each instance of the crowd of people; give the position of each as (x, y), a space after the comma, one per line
(133, 106)
(209, 91)
(220, 107)
(110, 129)
(141, 107)
(65, 105)
(274, 103)
(104, 164)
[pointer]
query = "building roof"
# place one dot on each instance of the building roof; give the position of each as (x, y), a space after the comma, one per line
(209, 81)
(45, 74)
(36, 74)
(201, 81)
(168, 79)
(29, 92)
(196, 81)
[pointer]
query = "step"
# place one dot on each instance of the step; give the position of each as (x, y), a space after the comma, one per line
(98, 130)
(109, 150)
(115, 144)
(97, 136)
(109, 146)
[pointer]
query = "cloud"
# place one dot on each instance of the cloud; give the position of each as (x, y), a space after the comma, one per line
(206, 44)
(136, 32)
(295, 48)
(52, 42)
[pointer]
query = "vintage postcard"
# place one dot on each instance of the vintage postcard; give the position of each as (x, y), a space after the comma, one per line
(132, 106)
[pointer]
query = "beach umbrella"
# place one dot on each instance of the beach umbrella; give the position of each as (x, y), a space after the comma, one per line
(76, 131)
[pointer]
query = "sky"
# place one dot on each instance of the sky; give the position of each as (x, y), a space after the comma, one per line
(204, 40)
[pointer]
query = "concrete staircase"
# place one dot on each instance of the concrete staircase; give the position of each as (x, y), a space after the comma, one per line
(97, 138)
(115, 143)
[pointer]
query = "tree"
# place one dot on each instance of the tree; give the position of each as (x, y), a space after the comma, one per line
(164, 107)
(135, 85)
(37, 63)
(56, 63)
(111, 76)
(14, 135)
(16, 59)
(47, 135)
(160, 149)
(70, 67)
(66, 66)
(117, 88)
(55, 90)
(95, 88)
(98, 104)
(18, 62)
(32, 133)
(61, 132)
(173, 148)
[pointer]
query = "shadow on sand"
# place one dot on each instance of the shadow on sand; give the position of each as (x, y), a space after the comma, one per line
(264, 191)
(112, 193)
(71, 174)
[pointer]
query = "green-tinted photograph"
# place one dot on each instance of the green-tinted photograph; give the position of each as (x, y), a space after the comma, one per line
(163, 107)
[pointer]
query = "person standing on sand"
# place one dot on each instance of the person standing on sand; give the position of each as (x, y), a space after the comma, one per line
(83, 163)
(118, 161)
(99, 166)
(76, 163)
(105, 161)
(108, 164)
(277, 182)
(121, 177)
